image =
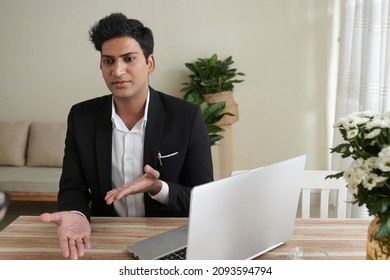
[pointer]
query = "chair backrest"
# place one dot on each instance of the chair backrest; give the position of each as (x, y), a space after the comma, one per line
(315, 180)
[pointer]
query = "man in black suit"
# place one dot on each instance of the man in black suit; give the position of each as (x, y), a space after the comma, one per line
(135, 152)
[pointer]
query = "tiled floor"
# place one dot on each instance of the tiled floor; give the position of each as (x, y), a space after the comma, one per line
(18, 208)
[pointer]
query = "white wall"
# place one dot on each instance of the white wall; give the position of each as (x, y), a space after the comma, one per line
(283, 46)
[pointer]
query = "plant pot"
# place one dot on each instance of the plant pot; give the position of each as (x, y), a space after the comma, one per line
(376, 249)
(230, 106)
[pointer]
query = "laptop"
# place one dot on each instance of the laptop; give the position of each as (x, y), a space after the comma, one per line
(235, 218)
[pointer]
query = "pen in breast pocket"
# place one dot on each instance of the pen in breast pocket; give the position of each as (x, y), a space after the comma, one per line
(159, 156)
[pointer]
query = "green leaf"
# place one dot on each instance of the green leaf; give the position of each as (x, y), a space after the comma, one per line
(214, 138)
(384, 227)
(213, 111)
(336, 175)
(214, 128)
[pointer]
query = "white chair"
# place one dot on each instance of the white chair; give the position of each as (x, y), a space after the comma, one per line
(315, 180)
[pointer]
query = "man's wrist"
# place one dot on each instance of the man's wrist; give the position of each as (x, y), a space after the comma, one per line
(163, 195)
(157, 188)
(78, 212)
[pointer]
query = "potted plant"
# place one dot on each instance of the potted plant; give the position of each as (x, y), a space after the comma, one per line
(211, 86)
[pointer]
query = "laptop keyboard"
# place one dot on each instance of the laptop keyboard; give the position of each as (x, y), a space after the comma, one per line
(176, 255)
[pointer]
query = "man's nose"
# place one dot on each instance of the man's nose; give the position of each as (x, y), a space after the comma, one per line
(119, 68)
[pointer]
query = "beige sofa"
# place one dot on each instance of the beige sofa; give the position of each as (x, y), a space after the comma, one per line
(31, 159)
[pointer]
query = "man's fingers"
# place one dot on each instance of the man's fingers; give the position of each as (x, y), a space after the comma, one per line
(47, 217)
(87, 242)
(80, 247)
(127, 189)
(153, 172)
(109, 199)
(72, 249)
(76, 248)
(110, 196)
(64, 245)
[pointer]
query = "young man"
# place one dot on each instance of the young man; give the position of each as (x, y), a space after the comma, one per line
(135, 152)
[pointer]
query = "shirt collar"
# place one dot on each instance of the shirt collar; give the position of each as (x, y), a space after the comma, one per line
(114, 115)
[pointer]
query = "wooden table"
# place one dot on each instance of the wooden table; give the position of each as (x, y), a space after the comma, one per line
(27, 238)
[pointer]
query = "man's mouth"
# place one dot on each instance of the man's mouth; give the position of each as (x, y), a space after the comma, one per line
(120, 84)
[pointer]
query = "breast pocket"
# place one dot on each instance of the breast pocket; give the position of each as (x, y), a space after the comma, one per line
(169, 165)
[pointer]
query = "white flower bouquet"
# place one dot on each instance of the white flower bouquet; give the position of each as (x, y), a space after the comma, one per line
(367, 142)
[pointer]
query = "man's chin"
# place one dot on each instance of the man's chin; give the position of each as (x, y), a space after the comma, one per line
(121, 94)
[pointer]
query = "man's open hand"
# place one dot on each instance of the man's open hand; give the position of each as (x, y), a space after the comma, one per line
(73, 232)
(148, 182)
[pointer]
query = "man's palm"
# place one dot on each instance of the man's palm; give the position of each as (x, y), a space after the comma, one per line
(73, 232)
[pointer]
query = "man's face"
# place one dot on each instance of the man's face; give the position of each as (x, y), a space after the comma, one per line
(124, 68)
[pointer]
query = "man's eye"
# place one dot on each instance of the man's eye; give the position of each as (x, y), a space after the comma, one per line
(129, 59)
(108, 61)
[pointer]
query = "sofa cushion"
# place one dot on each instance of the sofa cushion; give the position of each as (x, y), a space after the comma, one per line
(13, 141)
(29, 179)
(46, 144)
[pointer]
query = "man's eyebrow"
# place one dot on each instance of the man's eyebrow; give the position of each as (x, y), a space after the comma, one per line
(122, 55)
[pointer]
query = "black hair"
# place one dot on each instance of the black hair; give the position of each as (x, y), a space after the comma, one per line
(118, 25)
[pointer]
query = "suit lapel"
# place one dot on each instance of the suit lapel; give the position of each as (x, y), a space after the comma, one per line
(154, 129)
(103, 145)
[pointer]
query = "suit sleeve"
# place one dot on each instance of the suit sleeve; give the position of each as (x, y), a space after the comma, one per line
(73, 193)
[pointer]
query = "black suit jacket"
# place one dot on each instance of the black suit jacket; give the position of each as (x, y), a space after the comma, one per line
(173, 125)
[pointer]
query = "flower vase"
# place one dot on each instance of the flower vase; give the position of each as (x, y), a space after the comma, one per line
(376, 249)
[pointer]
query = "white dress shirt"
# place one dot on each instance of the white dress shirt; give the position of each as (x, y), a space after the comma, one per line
(127, 163)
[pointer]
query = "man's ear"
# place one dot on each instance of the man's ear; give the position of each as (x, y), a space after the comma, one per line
(151, 64)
